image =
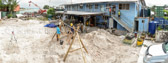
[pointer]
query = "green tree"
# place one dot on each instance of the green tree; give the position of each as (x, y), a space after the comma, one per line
(10, 5)
(153, 8)
(0, 4)
(46, 7)
(51, 11)
(166, 17)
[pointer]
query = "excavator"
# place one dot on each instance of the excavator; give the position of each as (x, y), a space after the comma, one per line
(41, 11)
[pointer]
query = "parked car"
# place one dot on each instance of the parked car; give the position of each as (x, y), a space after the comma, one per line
(157, 53)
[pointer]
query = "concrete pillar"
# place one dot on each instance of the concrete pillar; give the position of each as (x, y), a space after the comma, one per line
(110, 22)
(0, 15)
(84, 17)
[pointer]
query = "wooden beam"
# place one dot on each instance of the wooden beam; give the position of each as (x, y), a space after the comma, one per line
(82, 50)
(83, 45)
(75, 49)
(69, 48)
(54, 35)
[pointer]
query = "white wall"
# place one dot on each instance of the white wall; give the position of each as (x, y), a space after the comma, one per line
(110, 23)
(0, 14)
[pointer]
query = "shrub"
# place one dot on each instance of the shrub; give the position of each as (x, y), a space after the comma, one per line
(9, 15)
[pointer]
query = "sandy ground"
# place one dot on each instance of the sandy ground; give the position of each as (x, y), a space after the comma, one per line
(34, 45)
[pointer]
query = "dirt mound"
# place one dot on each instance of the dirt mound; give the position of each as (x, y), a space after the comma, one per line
(106, 48)
(34, 45)
(11, 48)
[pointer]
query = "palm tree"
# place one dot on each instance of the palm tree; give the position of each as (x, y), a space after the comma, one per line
(1, 4)
(10, 5)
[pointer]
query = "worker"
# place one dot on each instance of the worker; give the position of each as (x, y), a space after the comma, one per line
(81, 26)
(58, 32)
(114, 10)
(72, 30)
(105, 24)
(119, 13)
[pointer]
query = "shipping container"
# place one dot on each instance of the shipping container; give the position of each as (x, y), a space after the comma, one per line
(159, 11)
(3, 14)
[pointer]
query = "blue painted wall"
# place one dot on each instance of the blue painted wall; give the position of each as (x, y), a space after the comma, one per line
(127, 16)
(146, 23)
(120, 27)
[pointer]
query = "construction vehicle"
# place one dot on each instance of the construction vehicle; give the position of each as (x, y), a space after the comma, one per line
(41, 11)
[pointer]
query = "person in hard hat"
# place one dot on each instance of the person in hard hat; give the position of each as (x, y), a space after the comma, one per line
(58, 32)
(119, 13)
(72, 30)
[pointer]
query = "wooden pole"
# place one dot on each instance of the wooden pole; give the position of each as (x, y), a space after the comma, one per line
(81, 49)
(54, 35)
(83, 45)
(74, 50)
(69, 48)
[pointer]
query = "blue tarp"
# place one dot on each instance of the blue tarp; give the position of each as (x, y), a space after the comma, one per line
(51, 25)
(161, 21)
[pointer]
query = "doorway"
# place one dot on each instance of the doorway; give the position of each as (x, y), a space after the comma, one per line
(115, 24)
(92, 21)
(136, 25)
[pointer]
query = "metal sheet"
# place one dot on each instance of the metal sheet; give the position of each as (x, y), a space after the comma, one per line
(80, 13)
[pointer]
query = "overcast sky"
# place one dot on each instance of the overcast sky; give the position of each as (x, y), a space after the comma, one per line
(41, 3)
(156, 2)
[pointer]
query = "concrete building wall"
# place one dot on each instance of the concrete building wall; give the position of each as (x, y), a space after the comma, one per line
(120, 27)
(128, 16)
(143, 26)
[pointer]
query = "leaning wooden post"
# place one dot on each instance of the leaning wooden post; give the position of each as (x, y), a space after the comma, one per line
(83, 45)
(69, 48)
(70, 45)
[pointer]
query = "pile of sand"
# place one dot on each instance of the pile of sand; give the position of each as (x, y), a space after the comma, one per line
(106, 48)
(35, 45)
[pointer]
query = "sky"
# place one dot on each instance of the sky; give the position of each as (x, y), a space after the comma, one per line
(41, 3)
(156, 2)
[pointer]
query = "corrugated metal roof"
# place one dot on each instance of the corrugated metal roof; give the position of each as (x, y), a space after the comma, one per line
(80, 13)
(98, 1)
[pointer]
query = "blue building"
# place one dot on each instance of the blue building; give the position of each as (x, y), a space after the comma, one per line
(97, 12)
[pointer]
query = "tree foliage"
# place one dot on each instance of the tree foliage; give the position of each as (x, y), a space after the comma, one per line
(166, 17)
(153, 8)
(8, 5)
(51, 11)
(46, 7)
